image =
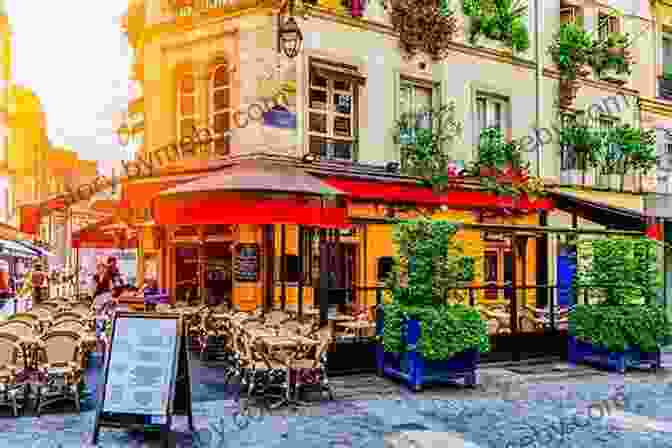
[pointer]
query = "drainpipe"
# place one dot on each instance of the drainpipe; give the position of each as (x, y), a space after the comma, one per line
(538, 78)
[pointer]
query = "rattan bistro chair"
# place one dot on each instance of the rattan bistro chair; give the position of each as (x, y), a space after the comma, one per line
(27, 334)
(9, 372)
(60, 365)
(310, 368)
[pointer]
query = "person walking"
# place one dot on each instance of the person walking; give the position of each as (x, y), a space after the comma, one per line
(38, 282)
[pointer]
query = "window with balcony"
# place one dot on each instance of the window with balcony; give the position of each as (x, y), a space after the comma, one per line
(416, 100)
(186, 106)
(571, 14)
(607, 24)
(220, 108)
(665, 82)
(332, 111)
(569, 159)
(491, 112)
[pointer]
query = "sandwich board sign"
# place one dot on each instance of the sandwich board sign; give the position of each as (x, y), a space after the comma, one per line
(146, 379)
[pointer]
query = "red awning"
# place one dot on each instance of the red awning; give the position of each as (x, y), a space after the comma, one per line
(232, 209)
(30, 219)
(416, 194)
(139, 194)
(97, 236)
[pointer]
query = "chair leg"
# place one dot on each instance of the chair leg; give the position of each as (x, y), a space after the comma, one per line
(15, 407)
(75, 392)
(38, 400)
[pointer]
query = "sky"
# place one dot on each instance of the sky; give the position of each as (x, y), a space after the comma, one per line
(75, 57)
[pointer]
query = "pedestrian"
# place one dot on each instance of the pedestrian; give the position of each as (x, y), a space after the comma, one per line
(38, 282)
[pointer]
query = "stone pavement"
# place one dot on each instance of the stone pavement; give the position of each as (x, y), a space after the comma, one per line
(507, 410)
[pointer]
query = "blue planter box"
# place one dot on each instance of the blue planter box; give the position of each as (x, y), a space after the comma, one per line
(416, 371)
(579, 351)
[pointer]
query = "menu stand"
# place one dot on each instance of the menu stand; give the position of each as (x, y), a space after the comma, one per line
(179, 402)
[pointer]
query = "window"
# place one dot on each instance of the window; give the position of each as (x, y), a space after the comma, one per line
(384, 268)
(220, 108)
(491, 112)
(570, 14)
(607, 24)
(186, 106)
(292, 273)
(415, 100)
(568, 157)
(667, 53)
(332, 113)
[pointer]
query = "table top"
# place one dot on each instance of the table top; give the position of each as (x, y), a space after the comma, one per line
(342, 317)
(287, 341)
(357, 324)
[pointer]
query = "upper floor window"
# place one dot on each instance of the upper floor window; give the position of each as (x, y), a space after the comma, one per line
(568, 156)
(667, 54)
(491, 112)
(186, 105)
(415, 100)
(332, 111)
(220, 107)
(607, 24)
(571, 14)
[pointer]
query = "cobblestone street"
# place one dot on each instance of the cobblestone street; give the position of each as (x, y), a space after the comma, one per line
(506, 410)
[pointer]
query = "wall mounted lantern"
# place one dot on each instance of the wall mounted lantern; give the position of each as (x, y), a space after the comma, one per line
(290, 38)
(124, 134)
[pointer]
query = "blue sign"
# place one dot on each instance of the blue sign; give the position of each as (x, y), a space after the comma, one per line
(280, 118)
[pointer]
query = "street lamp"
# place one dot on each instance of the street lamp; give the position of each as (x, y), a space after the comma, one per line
(124, 134)
(290, 37)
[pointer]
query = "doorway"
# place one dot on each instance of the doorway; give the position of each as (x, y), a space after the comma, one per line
(186, 273)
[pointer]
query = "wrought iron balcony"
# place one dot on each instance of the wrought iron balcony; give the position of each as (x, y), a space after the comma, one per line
(334, 149)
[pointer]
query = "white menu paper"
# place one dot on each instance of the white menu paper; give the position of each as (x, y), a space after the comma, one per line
(142, 360)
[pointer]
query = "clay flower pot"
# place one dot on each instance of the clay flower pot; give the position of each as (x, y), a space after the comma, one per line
(615, 51)
(487, 171)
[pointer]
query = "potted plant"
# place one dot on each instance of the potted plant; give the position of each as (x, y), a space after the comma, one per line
(426, 338)
(499, 20)
(621, 325)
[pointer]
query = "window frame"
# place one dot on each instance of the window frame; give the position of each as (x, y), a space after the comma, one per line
(608, 21)
(505, 120)
(379, 262)
(180, 116)
(212, 91)
(568, 159)
(339, 71)
(665, 36)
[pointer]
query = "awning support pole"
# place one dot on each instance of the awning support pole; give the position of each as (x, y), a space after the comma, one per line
(302, 270)
(283, 265)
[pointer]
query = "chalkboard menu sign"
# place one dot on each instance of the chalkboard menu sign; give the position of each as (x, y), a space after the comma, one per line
(147, 377)
(247, 264)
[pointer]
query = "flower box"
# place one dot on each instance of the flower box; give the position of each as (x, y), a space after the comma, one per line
(416, 371)
(584, 352)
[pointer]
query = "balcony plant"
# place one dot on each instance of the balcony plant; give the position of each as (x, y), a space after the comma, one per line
(637, 147)
(425, 145)
(423, 25)
(611, 58)
(501, 20)
(427, 335)
(626, 327)
(570, 51)
(581, 139)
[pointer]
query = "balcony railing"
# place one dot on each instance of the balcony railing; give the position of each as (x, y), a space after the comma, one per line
(334, 149)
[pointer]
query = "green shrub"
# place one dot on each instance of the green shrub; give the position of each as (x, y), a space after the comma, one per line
(616, 327)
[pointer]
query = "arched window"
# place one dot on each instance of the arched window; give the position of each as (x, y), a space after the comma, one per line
(186, 105)
(220, 107)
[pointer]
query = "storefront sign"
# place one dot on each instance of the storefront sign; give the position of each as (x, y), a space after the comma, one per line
(247, 264)
(147, 376)
(280, 118)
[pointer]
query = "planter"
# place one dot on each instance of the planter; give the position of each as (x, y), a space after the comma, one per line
(416, 371)
(584, 352)
(487, 171)
(614, 77)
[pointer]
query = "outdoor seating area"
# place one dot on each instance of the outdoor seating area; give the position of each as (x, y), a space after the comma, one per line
(44, 351)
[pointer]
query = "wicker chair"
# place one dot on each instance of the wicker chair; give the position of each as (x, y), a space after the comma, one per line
(49, 306)
(9, 371)
(260, 374)
(27, 334)
(59, 358)
(31, 318)
(69, 315)
(310, 367)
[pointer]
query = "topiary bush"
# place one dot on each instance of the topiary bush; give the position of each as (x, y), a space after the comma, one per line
(428, 267)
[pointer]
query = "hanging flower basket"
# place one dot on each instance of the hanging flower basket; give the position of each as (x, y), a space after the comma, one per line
(423, 25)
